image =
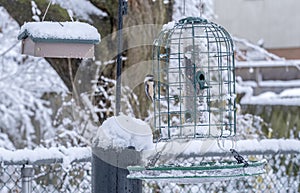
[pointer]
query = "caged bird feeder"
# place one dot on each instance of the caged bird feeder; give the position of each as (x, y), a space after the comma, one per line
(195, 92)
(194, 98)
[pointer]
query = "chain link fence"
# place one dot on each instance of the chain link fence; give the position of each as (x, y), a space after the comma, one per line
(47, 177)
(282, 175)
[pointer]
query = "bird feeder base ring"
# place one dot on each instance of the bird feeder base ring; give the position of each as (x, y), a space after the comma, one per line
(205, 172)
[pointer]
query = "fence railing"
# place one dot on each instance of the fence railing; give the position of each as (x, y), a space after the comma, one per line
(275, 76)
(65, 170)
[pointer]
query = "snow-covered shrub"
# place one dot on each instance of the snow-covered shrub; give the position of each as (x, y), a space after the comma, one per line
(250, 127)
(25, 118)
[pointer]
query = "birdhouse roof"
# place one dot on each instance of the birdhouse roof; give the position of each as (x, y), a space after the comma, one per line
(65, 32)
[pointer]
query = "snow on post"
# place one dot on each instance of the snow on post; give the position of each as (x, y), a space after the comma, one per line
(121, 141)
(59, 39)
(120, 132)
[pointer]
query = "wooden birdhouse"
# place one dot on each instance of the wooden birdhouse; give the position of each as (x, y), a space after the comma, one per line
(59, 39)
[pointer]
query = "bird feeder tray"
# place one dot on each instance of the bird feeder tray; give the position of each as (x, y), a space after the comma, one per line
(204, 172)
(59, 39)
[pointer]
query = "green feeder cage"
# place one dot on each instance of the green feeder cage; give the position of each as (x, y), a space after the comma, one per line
(194, 97)
(195, 90)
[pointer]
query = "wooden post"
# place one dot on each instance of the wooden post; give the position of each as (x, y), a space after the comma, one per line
(109, 173)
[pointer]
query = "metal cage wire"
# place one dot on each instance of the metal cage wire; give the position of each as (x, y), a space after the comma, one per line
(193, 68)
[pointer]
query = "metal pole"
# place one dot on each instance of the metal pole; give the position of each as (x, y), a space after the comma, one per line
(108, 177)
(119, 56)
(26, 175)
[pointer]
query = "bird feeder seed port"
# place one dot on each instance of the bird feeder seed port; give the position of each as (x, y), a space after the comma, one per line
(59, 39)
(194, 98)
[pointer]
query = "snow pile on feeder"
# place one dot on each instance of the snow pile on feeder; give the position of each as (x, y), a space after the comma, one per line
(59, 39)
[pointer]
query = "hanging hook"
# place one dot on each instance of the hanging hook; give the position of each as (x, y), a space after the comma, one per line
(221, 144)
(183, 7)
(200, 8)
(155, 158)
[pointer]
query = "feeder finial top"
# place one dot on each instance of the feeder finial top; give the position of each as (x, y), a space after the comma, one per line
(193, 20)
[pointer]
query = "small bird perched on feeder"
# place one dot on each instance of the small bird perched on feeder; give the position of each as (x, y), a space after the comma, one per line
(149, 86)
(239, 158)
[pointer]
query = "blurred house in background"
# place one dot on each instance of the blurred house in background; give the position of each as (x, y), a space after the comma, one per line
(272, 24)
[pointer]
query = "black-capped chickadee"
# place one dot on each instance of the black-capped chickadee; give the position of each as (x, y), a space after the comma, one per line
(149, 86)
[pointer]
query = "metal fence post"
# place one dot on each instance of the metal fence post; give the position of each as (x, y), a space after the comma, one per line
(26, 175)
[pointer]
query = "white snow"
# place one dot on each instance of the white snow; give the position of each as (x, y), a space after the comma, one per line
(123, 131)
(23, 81)
(67, 155)
(168, 26)
(271, 98)
(269, 145)
(279, 83)
(193, 147)
(81, 8)
(202, 147)
(254, 52)
(5, 142)
(74, 153)
(273, 83)
(268, 63)
(290, 93)
(61, 30)
(35, 11)
(193, 8)
(288, 97)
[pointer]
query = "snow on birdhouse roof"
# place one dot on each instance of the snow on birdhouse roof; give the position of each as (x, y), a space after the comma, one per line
(67, 32)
